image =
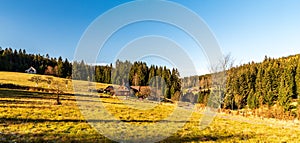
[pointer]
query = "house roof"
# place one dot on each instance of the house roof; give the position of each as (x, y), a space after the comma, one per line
(122, 88)
(31, 69)
(135, 88)
(141, 88)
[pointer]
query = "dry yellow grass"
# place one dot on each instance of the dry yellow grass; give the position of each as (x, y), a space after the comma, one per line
(23, 79)
(27, 116)
(32, 117)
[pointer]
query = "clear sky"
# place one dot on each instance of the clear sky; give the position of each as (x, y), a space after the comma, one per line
(248, 29)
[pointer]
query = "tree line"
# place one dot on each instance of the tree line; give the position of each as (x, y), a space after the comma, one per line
(270, 82)
(122, 73)
(273, 81)
(131, 74)
(19, 61)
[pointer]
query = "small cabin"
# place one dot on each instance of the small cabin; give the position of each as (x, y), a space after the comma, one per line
(117, 90)
(122, 91)
(144, 91)
(31, 70)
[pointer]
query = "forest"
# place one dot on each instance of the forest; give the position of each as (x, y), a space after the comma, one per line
(20, 60)
(122, 73)
(253, 85)
(270, 82)
(131, 74)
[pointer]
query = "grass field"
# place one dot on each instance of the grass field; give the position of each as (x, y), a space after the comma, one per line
(27, 116)
(33, 117)
(23, 79)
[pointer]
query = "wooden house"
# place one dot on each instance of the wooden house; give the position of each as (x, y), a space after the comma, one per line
(31, 70)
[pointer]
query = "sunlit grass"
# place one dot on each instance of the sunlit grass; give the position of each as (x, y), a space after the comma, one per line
(33, 117)
(23, 79)
(27, 116)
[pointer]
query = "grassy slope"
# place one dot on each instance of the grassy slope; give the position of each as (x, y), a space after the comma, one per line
(32, 116)
(22, 79)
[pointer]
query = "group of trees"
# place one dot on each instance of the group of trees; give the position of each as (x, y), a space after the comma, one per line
(273, 81)
(123, 73)
(131, 74)
(19, 61)
(139, 74)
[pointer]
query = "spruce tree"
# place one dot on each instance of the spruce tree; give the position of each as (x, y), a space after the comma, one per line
(285, 92)
(252, 100)
(297, 78)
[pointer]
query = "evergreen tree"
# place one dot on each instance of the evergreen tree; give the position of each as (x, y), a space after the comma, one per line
(175, 83)
(297, 78)
(268, 90)
(60, 68)
(252, 100)
(258, 85)
(285, 92)
(151, 75)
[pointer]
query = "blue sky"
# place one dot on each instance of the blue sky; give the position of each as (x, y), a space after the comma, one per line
(248, 29)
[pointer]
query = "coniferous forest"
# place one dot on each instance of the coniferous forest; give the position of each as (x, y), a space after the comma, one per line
(270, 82)
(137, 73)
(20, 60)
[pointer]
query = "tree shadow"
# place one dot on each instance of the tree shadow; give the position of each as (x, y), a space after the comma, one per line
(18, 102)
(29, 107)
(9, 93)
(22, 120)
(54, 137)
(18, 94)
(65, 136)
(209, 138)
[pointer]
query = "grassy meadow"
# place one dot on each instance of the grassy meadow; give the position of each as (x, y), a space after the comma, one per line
(23, 79)
(30, 116)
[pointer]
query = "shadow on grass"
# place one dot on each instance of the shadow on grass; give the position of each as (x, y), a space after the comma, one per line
(4, 92)
(54, 137)
(29, 107)
(65, 136)
(84, 137)
(208, 138)
(19, 94)
(27, 93)
(22, 120)
(7, 93)
(19, 102)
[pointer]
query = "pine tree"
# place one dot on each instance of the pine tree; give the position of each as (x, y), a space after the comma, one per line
(269, 96)
(60, 68)
(285, 92)
(151, 74)
(297, 78)
(258, 85)
(252, 100)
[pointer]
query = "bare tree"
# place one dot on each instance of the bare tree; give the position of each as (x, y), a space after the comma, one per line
(58, 88)
(218, 86)
(36, 79)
